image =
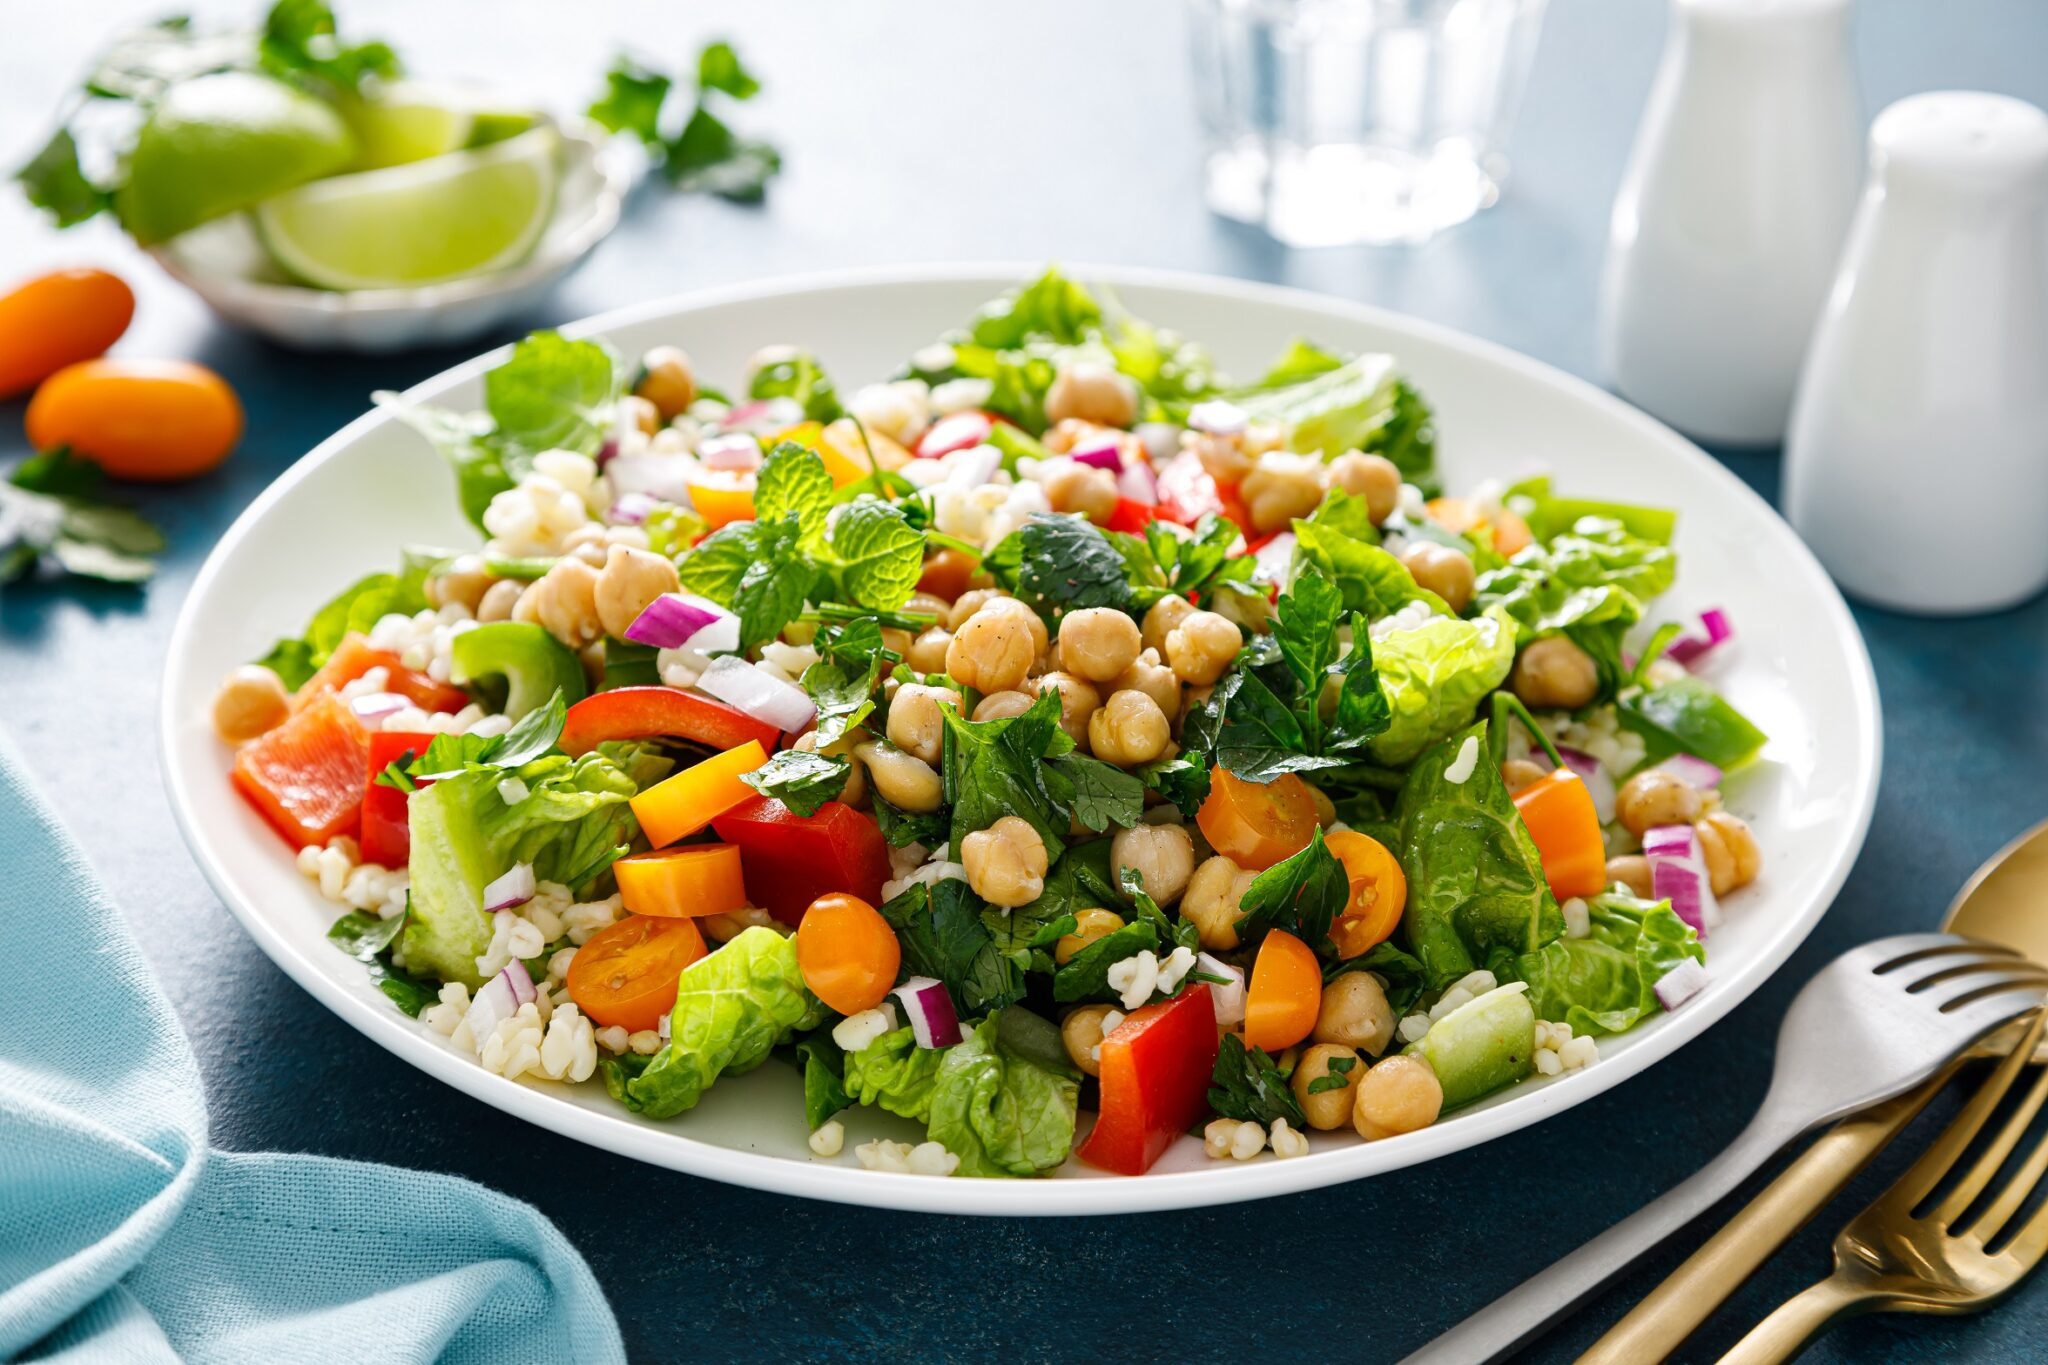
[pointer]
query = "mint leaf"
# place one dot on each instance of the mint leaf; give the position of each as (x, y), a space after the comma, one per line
(793, 480)
(632, 101)
(880, 555)
(552, 394)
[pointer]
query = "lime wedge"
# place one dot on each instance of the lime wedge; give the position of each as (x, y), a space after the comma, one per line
(466, 213)
(495, 125)
(216, 144)
(405, 121)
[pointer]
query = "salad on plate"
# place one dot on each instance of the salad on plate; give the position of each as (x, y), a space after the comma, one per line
(1056, 744)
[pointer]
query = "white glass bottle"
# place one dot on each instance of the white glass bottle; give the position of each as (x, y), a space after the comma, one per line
(1731, 215)
(1917, 466)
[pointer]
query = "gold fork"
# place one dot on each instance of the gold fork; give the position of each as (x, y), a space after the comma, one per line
(1889, 1261)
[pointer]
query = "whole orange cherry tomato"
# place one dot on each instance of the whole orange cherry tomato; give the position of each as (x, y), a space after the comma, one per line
(1285, 995)
(1257, 824)
(153, 420)
(847, 953)
(56, 320)
(626, 975)
(1379, 892)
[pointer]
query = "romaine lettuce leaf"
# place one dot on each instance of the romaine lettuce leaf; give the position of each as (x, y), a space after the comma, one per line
(1360, 404)
(1604, 983)
(1371, 580)
(732, 1007)
(999, 1113)
(895, 1074)
(1434, 677)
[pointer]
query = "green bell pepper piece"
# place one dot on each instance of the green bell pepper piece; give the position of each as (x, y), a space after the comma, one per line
(532, 662)
(1689, 716)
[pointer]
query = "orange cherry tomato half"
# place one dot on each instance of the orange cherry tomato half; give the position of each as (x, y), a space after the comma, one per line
(722, 496)
(1257, 824)
(681, 883)
(1565, 825)
(56, 320)
(1285, 995)
(946, 574)
(626, 975)
(847, 953)
(1511, 535)
(1379, 892)
(152, 420)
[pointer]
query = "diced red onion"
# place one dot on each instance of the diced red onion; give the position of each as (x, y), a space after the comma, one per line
(373, 707)
(734, 450)
(1218, 417)
(1692, 770)
(1228, 998)
(1681, 983)
(764, 416)
(675, 619)
(1690, 649)
(1599, 785)
(631, 509)
(1273, 559)
(746, 688)
(957, 432)
(499, 999)
(514, 888)
(1678, 873)
(664, 477)
(933, 1022)
(607, 452)
(1104, 456)
(1138, 483)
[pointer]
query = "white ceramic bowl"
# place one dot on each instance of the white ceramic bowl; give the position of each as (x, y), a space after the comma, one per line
(225, 265)
(1801, 672)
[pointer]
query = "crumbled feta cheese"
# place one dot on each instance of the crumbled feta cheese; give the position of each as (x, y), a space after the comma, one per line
(829, 1139)
(856, 1031)
(933, 358)
(1219, 417)
(1410, 617)
(958, 395)
(900, 410)
(1412, 505)
(1134, 978)
(1465, 764)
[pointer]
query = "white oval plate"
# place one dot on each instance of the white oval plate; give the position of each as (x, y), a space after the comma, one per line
(1800, 671)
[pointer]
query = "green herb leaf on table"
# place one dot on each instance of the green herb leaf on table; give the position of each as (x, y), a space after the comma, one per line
(1249, 1087)
(55, 182)
(51, 506)
(704, 154)
(300, 42)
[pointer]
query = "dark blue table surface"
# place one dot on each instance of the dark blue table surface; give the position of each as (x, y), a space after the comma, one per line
(1062, 129)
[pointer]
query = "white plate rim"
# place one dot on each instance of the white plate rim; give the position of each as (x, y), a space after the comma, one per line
(841, 1183)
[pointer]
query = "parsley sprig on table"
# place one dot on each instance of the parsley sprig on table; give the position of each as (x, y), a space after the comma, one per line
(52, 512)
(704, 154)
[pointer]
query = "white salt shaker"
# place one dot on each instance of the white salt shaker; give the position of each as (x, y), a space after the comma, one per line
(1731, 215)
(1917, 467)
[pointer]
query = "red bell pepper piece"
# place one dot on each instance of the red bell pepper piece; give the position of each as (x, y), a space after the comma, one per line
(1131, 516)
(661, 713)
(1156, 1069)
(306, 776)
(386, 836)
(789, 861)
(353, 657)
(1187, 491)
(955, 432)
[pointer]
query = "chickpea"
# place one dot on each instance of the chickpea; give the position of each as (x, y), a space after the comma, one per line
(1092, 393)
(1442, 571)
(1329, 1109)
(1282, 487)
(897, 640)
(992, 651)
(564, 601)
(667, 381)
(1399, 1095)
(1146, 674)
(905, 782)
(1077, 487)
(628, 583)
(1224, 458)
(1733, 858)
(917, 720)
(1201, 647)
(1372, 477)
(1129, 729)
(1002, 705)
(1078, 701)
(1555, 674)
(1089, 925)
(587, 543)
(1632, 870)
(1656, 797)
(1247, 608)
(1006, 862)
(1355, 1013)
(968, 603)
(1518, 773)
(1082, 1033)
(929, 604)
(856, 777)
(927, 653)
(1098, 642)
(1041, 639)
(1070, 434)
(639, 413)
(1212, 900)
(1163, 856)
(1161, 618)
(498, 602)
(251, 702)
(465, 581)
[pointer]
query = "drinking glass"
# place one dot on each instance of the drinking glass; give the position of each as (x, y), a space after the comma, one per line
(1331, 122)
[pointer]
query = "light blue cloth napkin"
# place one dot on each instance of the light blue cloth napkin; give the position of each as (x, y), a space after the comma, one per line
(123, 1238)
